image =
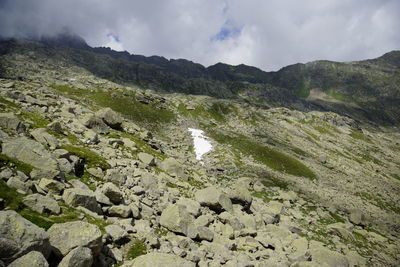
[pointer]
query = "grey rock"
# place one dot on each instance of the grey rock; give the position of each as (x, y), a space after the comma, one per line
(176, 219)
(78, 257)
(120, 211)
(357, 217)
(56, 127)
(51, 186)
(192, 206)
(9, 121)
(96, 172)
(240, 195)
(204, 233)
(43, 137)
(64, 237)
(32, 259)
(214, 199)
(42, 204)
(65, 166)
(173, 168)
(115, 176)
(79, 197)
(117, 233)
(19, 236)
(16, 183)
(30, 152)
(110, 117)
(101, 198)
(155, 259)
(91, 137)
(326, 257)
(146, 159)
(112, 192)
(78, 184)
(39, 174)
(97, 124)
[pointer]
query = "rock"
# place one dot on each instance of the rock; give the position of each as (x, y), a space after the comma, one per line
(214, 199)
(120, 211)
(15, 182)
(110, 117)
(155, 259)
(173, 168)
(19, 236)
(9, 121)
(51, 186)
(204, 233)
(176, 219)
(91, 137)
(65, 166)
(192, 206)
(326, 257)
(111, 191)
(115, 176)
(39, 174)
(56, 127)
(273, 208)
(357, 217)
(79, 197)
(96, 172)
(30, 152)
(64, 237)
(146, 159)
(78, 257)
(240, 195)
(43, 137)
(32, 259)
(97, 124)
(101, 198)
(118, 235)
(78, 184)
(42, 204)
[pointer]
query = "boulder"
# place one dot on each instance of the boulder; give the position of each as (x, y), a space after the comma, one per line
(46, 139)
(110, 117)
(326, 257)
(120, 211)
(65, 237)
(42, 204)
(56, 127)
(111, 191)
(78, 257)
(146, 159)
(19, 236)
(357, 217)
(32, 259)
(155, 259)
(78, 184)
(176, 219)
(192, 206)
(39, 174)
(214, 199)
(9, 121)
(96, 124)
(30, 152)
(51, 186)
(117, 233)
(173, 168)
(241, 195)
(79, 197)
(115, 176)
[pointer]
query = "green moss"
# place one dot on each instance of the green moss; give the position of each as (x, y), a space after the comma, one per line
(322, 130)
(137, 249)
(7, 103)
(6, 161)
(171, 185)
(216, 111)
(270, 157)
(377, 201)
(92, 159)
(35, 119)
(195, 183)
(359, 136)
(264, 195)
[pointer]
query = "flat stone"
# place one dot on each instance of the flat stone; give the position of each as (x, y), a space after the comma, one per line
(32, 259)
(155, 259)
(42, 204)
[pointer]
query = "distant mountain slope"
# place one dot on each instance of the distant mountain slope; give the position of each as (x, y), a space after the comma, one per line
(373, 86)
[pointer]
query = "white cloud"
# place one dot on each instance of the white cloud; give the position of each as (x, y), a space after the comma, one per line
(267, 34)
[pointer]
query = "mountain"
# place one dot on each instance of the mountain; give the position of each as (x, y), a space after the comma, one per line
(99, 161)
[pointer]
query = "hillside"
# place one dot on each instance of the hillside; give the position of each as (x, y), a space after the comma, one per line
(98, 164)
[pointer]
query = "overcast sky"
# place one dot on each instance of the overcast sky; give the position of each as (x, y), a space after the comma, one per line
(268, 34)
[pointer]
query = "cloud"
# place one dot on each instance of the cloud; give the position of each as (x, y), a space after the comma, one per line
(267, 34)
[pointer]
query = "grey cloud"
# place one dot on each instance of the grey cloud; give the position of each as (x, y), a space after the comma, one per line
(268, 34)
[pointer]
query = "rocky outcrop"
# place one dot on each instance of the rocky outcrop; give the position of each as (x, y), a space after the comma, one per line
(110, 117)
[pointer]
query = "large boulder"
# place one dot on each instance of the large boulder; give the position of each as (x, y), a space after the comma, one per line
(156, 259)
(173, 168)
(176, 219)
(65, 237)
(19, 236)
(146, 159)
(32, 259)
(110, 117)
(42, 204)
(43, 137)
(326, 257)
(111, 191)
(96, 124)
(9, 121)
(79, 197)
(214, 199)
(30, 152)
(78, 257)
(240, 195)
(51, 186)
(123, 211)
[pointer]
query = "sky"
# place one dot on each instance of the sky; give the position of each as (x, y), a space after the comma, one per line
(268, 34)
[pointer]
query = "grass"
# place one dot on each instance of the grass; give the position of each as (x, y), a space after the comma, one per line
(216, 111)
(7, 103)
(322, 130)
(379, 202)
(35, 119)
(6, 161)
(270, 157)
(264, 195)
(91, 158)
(359, 136)
(137, 249)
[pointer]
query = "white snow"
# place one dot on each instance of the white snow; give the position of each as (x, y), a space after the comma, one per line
(201, 143)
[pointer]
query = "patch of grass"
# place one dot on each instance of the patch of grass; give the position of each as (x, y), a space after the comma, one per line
(7, 103)
(35, 119)
(137, 249)
(216, 111)
(384, 205)
(195, 183)
(171, 185)
(395, 176)
(6, 161)
(264, 195)
(370, 158)
(91, 158)
(322, 130)
(160, 232)
(299, 151)
(270, 157)
(359, 136)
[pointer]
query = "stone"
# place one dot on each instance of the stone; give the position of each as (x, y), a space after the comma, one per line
(64, 237)
(9, 121)
(96, 124)
(15, 182)
(204, 233)
(101, 198)
(42, 136)
(111, 191)
(155, 259)
(39, 174)
(240, 195)
(176, 219)
(79, 197)
(32, 259)
(146, 159)
(326, 257)
(42, 204)
(357, 217)
(120, 211)
(192, 206)
(214, 199)
(273, 208)
(19, 236)
(65, 166)
(51, 186)
(173, 168)
(96, 172)
(110, 117)
(78, 184)
(91, 137)
(78, 257)
(115, 176)
(56, 127)
(30, 152)
(117, 233)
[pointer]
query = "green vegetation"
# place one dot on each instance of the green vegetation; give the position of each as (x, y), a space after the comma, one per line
(137, 249)
(216, 111)
(7, 103)
(322, 130)
(264, 195)
(91, 158)
(359, 135)
(35, 119)
(6, 161)
(379, 202)
(160, 232)
(272, 158)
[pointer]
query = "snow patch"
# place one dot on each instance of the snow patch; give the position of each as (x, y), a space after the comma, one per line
(201, 143)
